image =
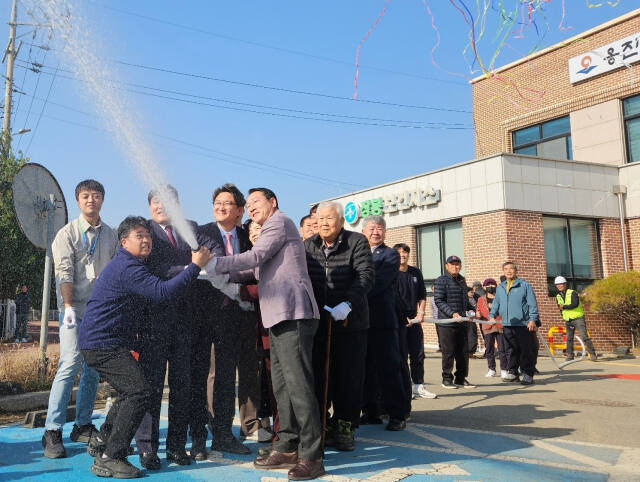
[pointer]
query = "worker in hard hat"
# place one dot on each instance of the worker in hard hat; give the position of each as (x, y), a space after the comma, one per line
(573, 316)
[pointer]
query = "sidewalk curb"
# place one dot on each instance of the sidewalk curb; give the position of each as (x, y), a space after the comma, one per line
(25, 402)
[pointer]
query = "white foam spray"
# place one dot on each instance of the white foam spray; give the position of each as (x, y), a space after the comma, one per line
(79, 49)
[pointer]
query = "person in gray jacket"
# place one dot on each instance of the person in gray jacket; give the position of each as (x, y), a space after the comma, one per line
(289, 310)
(516, 303)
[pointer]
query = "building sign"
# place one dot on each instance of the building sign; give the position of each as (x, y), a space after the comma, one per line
(615, 55)
(391, 203)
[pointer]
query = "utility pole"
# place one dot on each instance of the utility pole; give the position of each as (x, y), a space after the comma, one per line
(10, 54)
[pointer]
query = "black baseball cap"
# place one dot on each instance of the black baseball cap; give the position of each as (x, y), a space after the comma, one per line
(454, 259)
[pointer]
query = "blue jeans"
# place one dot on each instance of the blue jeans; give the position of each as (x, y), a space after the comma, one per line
(71, 362)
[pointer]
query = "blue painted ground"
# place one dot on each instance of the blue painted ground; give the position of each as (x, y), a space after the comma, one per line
(420, 452)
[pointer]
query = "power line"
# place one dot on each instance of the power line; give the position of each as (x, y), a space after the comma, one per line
(363, 121)
(271, 47)
(259, 165)
(284, 89)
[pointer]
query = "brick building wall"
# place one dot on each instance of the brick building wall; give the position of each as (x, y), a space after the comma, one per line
(633, 242)
(538, 88)
(518, 236)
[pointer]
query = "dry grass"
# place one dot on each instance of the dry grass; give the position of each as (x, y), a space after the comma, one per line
(20, 365)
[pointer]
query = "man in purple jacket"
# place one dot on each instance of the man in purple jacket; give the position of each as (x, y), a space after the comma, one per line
(289, 310)
(107, 335)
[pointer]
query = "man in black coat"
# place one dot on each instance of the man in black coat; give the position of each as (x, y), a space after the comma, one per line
(164, 336)
(450, 296)
(341, 270)
(383, 378)
(234, 340)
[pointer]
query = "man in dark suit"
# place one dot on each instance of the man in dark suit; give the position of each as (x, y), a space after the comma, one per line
(164, 336)
(384, 363)
(234, 338)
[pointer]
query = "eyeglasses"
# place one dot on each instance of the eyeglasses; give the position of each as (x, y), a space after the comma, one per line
(226, 204)
(139, 237)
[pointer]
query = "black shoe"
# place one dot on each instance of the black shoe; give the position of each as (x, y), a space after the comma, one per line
(448, 384)
(396, 425)
(116, 468)
(464, 384)
(229, 444)
(178, 456)
(345, 437)
(198, 448)
(370, 420)
(97, 445)
(83, 433)
(150, 461)
(52, 444)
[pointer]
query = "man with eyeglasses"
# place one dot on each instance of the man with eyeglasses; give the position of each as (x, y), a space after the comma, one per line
(107, 335)
(233, 333)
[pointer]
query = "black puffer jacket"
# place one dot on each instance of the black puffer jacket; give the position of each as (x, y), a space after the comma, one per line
(450, 296)
(345, 275)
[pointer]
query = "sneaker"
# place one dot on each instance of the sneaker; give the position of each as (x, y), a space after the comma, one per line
(345, 437)
(490, 373)
(52, 444)
(527, 379)
(465, 384)
(592, 356)
(83, 433)
(24, 340)
(503, 374)
(116, 468)
(97, 446)
(17, 340)
(422, 392)
(509, 377)
(448, 384)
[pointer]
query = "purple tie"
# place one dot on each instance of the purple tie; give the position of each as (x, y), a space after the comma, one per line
(172, 240)
(228, 247)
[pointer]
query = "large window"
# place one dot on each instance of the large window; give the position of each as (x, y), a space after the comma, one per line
(572, 250)
(436, 242)
(551, 139)
(631, 108)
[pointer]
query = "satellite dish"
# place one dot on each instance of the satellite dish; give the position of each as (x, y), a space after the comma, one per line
(33, 186)
(41, 211)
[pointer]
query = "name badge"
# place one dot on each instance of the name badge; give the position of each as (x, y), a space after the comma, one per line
(91, 272)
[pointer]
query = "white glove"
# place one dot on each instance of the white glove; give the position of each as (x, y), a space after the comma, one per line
(340, 311)
(69, 319)
(209, 269)
(246, 305)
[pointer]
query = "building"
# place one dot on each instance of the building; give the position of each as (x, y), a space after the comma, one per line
(555, 187)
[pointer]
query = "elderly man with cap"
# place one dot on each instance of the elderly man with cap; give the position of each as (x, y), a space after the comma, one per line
(450, 294)
(573, 316)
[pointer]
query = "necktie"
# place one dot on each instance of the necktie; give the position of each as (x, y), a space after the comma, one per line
(172, 240)
(228, 247)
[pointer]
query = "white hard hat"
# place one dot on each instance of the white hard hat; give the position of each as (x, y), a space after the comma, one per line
(560, 280)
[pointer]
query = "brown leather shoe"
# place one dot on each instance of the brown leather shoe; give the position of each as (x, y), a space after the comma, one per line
(276, 460)
(306, 470)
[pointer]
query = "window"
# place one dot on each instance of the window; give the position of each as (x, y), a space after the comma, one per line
(436, 242)
(631, 107)
(551, 139)
(572, 250)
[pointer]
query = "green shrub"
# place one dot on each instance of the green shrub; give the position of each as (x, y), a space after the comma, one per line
(618, 296)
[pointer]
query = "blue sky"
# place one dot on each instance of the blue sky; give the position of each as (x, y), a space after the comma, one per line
(290, 45)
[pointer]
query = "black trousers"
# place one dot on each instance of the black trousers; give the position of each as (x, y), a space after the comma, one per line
(472, 337)
(519, 345)
(404, 366)
(234, 341)
(173, 348)
(453, 343)
(415, 343)
(291, 344)
(490, 340)
(201, 340)
(384, 390)
(118, 367)
(346, 372)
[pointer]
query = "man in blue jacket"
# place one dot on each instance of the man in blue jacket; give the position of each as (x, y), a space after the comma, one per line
(107, 335)
(516, 303)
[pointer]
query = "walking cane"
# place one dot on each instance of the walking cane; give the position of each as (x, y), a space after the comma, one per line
(326, 382)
